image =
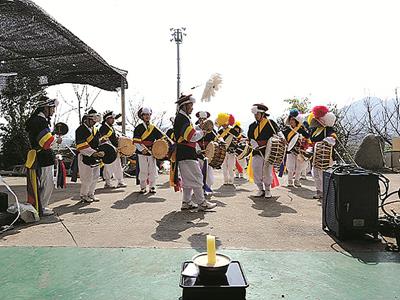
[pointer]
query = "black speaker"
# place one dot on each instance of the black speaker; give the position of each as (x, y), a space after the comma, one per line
(350, 202)
(3, 202)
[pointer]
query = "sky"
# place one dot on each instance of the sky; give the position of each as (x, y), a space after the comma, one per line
(266, 51)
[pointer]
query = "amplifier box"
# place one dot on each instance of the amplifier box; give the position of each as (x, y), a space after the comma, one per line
(350, 202)
(3, 202)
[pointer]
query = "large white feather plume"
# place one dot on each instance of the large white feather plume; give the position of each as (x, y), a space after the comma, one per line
(212, 85)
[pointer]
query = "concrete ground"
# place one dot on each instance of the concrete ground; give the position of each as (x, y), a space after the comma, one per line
(280, 243)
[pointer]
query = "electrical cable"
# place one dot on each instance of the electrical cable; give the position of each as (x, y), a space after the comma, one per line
(7, 227)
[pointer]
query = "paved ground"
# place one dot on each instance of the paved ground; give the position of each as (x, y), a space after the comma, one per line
(279, 242)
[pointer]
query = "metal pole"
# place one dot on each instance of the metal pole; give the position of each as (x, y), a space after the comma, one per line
(177, 36)
(178, 67)
(123, 105)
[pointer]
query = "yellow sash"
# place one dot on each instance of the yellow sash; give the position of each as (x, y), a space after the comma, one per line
(91, 136)
(250, 172)
(31, 159)
(260, 127)
(318, 131)
(225, 132)
(293, 132)
(148, 131)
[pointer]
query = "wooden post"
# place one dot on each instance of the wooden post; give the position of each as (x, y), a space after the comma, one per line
(123, 105)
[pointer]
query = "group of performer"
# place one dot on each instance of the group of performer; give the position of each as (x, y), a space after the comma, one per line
(194, 150)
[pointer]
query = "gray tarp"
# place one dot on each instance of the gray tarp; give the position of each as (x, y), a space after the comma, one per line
(34, 44)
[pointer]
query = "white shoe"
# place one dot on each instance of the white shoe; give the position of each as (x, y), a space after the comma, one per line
(152, 190)
(207, 205)
(86, 199)
(260, 193)
(121, 185)
(108, 186)
(95, 199)
(48, 211)
(188, 205)
(142, 191)
(268, 194)
(297, 183)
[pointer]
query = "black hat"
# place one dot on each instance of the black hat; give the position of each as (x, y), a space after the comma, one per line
(44, 101)
(259, 107)
(184, 99)
(144, 110)
(203, 114)
(108, 114)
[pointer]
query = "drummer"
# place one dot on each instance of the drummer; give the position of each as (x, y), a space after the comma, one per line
(187, 137)
(229, 135)
(295, 133)
(108, 135)
(240, 164)
(321, 130)
(144, 136)
(209, 136)
(87, 141)
(259, 133)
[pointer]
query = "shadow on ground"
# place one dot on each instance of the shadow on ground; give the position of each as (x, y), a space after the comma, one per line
(365, 249)
(228, 191)
(78, 208)
(136, 198)
(175, 222)
(270, 207)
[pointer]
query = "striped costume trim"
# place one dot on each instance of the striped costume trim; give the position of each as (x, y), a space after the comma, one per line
(189, 133)
(82, 146)
(45, 138)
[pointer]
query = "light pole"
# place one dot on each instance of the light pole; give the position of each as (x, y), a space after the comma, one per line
(177, 36)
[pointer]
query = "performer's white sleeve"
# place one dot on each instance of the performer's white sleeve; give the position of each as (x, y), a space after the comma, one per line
(139, 146)
(253, 143)
(330, 140)
(87, 151)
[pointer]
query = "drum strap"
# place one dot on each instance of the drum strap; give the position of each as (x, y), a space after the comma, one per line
(108, 134)
(225, 133)
(293, 132)
(318, 131)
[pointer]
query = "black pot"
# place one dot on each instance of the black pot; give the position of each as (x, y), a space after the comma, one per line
(206, 271)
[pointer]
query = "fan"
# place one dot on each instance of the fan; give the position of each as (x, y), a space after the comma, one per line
(212, 85)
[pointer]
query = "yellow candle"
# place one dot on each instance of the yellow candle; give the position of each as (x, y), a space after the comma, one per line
(211, 251)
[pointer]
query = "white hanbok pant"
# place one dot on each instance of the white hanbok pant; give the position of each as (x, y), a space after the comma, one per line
(262, 172)
(210, 173)
(147, 171)
(113, 170)
(46, 183)
(88, 176)
(228, 167)
(192, 181)
(294, 166)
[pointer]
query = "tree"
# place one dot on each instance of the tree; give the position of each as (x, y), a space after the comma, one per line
(303, 105)
(16, 105)
(85, 99)
(133, 119)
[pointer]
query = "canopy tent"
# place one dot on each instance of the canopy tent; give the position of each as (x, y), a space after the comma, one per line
(34, 44)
